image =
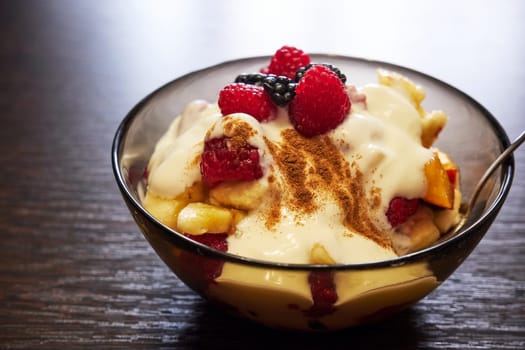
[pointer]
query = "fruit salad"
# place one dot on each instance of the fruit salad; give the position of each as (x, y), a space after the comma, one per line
(295, 164)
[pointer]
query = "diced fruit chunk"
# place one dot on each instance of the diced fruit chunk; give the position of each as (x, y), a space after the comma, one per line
(450, 167)
(244, 195)
(163, 209)
(200, 218)
(414, 92)
(319, 255)
(432, 124)
(440, 191)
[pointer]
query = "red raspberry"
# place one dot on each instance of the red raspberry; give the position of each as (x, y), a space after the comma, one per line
(320, 103)
(201, 270)
(229, 159)
(286, 61)
(400, 209)
(213, 240)
(323, 291)
(249, 99)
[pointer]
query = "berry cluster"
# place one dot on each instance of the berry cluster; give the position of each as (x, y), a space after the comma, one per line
(315, 95)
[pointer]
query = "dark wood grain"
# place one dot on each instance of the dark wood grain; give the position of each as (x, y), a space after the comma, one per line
(74, 270)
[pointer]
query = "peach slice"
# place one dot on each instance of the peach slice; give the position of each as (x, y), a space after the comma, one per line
(450, 167)
(440, 190)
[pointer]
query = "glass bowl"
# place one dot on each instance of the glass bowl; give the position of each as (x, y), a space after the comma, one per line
(277, 294)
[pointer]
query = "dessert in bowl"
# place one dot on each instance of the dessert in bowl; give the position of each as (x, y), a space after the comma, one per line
(305, 217)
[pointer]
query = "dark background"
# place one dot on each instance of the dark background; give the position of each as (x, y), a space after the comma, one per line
(74, 270)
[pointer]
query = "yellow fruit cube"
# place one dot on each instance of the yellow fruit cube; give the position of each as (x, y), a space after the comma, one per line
(199, 218)
(319, 255)
(244, 195)
(432, 124)
(407, 87)
(165, 210)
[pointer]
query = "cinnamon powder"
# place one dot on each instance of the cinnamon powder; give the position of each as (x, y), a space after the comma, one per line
(238, 132)
(314, 166)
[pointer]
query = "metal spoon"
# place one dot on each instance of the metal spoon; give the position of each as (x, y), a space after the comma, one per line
(481, 183)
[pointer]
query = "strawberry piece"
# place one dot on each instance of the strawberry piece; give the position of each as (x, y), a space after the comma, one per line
(400, 209)
(200, 269)
(320, 103)
(249, 99)
(323, 291)
(224, 159)
(286, 61)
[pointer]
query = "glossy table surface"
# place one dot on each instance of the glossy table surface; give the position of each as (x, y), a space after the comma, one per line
(75, 272)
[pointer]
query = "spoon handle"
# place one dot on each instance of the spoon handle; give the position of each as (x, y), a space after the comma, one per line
(503, 156)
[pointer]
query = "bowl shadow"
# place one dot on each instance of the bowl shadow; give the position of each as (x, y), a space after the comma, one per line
(210, 328)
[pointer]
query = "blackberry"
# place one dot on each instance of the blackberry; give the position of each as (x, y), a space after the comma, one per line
(280, 88)
(301, 71)
(251, 78)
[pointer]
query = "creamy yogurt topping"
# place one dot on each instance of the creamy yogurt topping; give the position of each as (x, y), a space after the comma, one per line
(174, 165)
(379, 143)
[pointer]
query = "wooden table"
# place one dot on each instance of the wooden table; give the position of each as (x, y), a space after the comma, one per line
(74, 270)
